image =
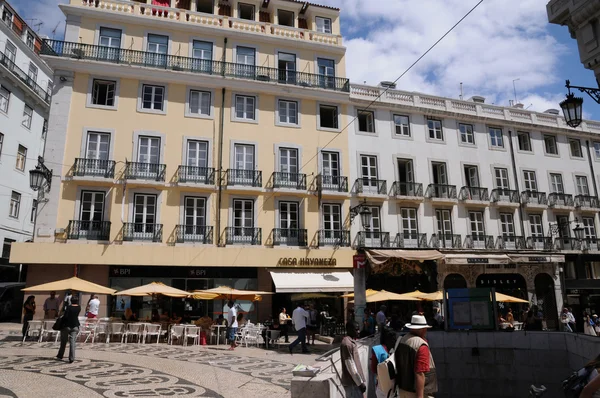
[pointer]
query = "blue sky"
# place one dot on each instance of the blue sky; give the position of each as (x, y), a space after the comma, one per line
(500, 41)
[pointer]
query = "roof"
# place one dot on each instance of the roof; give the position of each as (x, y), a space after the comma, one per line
(22, 20)
(313, 4)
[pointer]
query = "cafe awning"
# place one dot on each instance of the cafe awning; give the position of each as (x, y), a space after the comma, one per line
(536, 258)
(379, 257)
(466, 259)
(312, 281)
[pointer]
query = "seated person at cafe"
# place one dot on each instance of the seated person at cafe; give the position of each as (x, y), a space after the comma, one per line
(164, 317)
(221, 320)
(175, 318)
(272, 326)
(129, 316)
(510, 317)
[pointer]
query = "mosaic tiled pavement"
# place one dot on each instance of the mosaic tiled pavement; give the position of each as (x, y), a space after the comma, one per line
(138, 370)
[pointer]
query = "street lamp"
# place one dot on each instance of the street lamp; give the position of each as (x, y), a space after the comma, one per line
(578, 231)
(40, 177)
(572, 106)
(364, 211)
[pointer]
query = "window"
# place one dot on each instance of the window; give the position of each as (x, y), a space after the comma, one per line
(330, 164)
(589, 228)
(524, 141)
(435, 129)
(10, 51)
(110, 40)
(194, 215)
(289, 218)
(285, 18)
(246, 11)
(158, 44)
(575, 146)
(144, 213)
(366, 121)
(245, 107)
(501, 178)
(15, 204)
(21, 158)
(570, 270)
(91, 208)
(332, 218)
(402, 125)
(7, 17)
(197, 153)
(564, 231)
(530, 180)
(200, 102)
(323, 25)
(582, 185)
(27, 116)
(103, 92)
(98, 146)
(472, 176)
(597, 149)
(4, 99)
(326, 71)
(1, 143)
(410, 227)
(536, 227)
(368, 170)
(550, 145)
(288, 112)
(556, 183)
(30, 40)
(288, 160)
(243, 217)
(477, 225)
(245, 56)
(507, 225)
(406, 176)
(202, 53)
(153, 97)
(444, 226)
(496, 139)
(286, 63)
(206, 6)
(6, 247)
(244, 157)
(149, 150)
(328, 117)
(33, 72)
(374, 221)
(466, 133)
(440, 175)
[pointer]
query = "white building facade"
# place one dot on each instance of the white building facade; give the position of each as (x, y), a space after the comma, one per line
(499, 188)
(25, 91)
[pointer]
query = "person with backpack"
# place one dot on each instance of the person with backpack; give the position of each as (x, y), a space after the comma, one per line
(592, 387)
(380, 353)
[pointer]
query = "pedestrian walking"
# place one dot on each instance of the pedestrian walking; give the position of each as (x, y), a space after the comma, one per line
(592, 388)
(70, 328)
(299, 319)
(416, 375)
(588, 325)
(564, 319)
(93, 307)
(368, 324)
(28, 311)
(353, 378)
(51, 306)
(381, 318)
(284, 318)
(312, 325)
(381, 353)
(233, 324)
(571, 318)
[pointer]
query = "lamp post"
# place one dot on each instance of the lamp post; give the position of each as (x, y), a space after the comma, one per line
(572, 106)
(578, 232)
(39, 178)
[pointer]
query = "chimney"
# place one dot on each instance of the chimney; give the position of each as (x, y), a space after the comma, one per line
(477, 99)
(519, 105)
(386, 84)
(552, 111)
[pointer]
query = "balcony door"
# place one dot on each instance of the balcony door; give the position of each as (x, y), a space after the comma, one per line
(410, 227)
(288, 223)
(406, 177)
(148, 157)
(246, 61)
(507, 226)
(444, 227)
(477, 228)
(369, 174)
(91, 212)
(202, 53)
(537, 230)
(144, 216)
(195, 217)
(197, 153)
(243, 219)
(326, 70)
(440, 179)
(110, 42)
(288, 163)
(372, 232)
(330, 163)
(472, 176)
(582, 185)
(97, 153)
(157, 47)
(530, 181)
(244, 164)
(502, 184)
(332, 222)
(556, 183)
(287, 68)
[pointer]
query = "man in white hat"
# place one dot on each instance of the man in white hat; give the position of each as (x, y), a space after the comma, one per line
(414, 364)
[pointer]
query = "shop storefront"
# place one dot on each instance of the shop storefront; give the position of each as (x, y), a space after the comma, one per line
(582, 285)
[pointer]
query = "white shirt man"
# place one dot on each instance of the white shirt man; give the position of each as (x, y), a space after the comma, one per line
(299, 318)
(232, 317)
(380, 318)
(93, 307)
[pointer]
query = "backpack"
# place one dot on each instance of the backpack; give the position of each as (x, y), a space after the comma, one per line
(574, 384)
(386, 372)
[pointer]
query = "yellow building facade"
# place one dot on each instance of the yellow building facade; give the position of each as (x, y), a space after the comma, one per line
(199, 143)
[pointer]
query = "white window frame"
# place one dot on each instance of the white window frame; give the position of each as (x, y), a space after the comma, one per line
(500, 177)
(140, 105)
(477, 218)
(27, 116)
(334, 209)
(438, 136)
(323, 27)
(21, 160)
(536, 226)
(507, 220)
(90, 93)
(99, 134)
(15, 205)
(596, 145)
(32, 73)
(4, 99)
(581, 185)
(529, 181)
(278, 121)
(528, 136)
(556, 179)
(466, 134)
(589, 228)
(199, 202)
(371, 124)
(554, 138)
(234, 116)
(409, 216)
(496, 142)
(188, 102)
(405, 131)
(319, 127)
(578, 143)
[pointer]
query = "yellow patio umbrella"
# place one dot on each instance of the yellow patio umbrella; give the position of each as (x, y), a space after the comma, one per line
(504, 298)
(435, 296)
(152, 289)
(418, 294)
(227, 293)
(388, 296)
(74, 283)
(369, 292)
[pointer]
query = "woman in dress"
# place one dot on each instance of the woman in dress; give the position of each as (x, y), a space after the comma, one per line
(588, 325)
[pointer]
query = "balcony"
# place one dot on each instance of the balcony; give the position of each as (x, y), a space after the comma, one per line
(335, 238)
(510, 242)
(88, 230)
(407, 189)
(294, 181)
(540, 243)
(586, 201)
(145, 171)
(410, 240)
(244, 178)
(479, 241)
(372, 239)
(194, 234)
(560, 200)
(24, 78)
(97, 168)
(534, 198)
(78, 51)
(196, 175)
(243, 236)
(591, 244)
(370, 186)
(568, 244)
(142, 232)
(475, 194)
(501, 195)
(441, 191)
(445, 241)
(289, 237)
(327, 183)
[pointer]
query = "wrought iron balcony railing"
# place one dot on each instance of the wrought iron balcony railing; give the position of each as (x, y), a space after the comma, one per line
(64, 49)
(568, 244)
(410, 189)
(288, 180)
(410, 240)
(534, 198)
(479, 241)
(239, 177)
(24, 77)
(591, 244)
(510, 242)
(445, 241)
(441, 191)
(243, 236)
(505, 195)
(540, 243)
(560, 199)
(332, 183)
(289, 237)
(336, 238)
(194, 234)
(196, 175)
(375, 239)
(474, 193)
(94, 168)
(586, 201)
(142, 232)
(88, 230)
(145, 171)
(370, 185)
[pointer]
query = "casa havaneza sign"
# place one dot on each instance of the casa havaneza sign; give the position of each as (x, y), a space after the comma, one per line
(304, 261)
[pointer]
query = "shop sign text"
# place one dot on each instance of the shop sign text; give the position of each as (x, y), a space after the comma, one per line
(291, 261)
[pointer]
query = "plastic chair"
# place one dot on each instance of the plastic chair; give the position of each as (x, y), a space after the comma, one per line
(115, 329)
(152, 330)
(47, 330)
(88, 329)
(133, 329)
(101, 330)
(33, 328)
(273, 337)
(192, 332)
(177, 332)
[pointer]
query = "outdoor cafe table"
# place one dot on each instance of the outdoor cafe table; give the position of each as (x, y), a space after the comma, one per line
(218, 327)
